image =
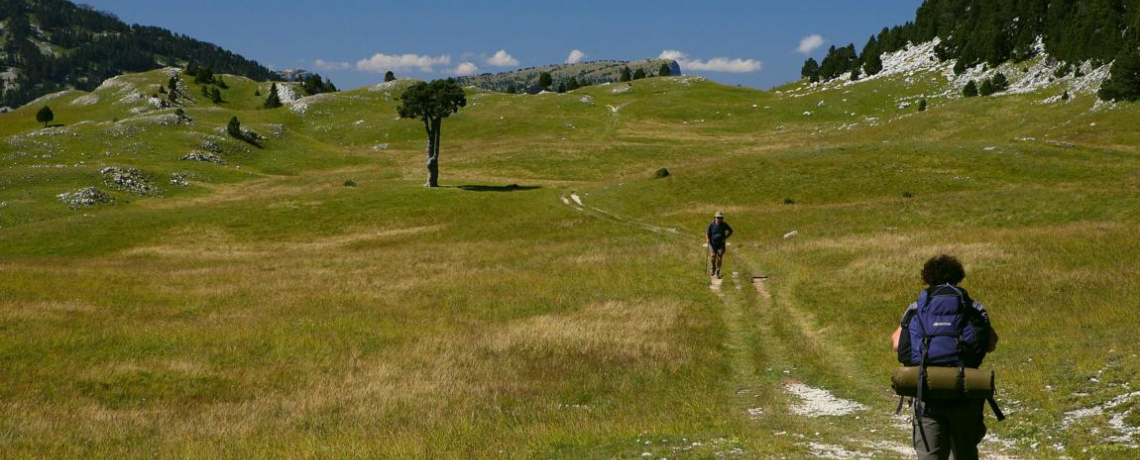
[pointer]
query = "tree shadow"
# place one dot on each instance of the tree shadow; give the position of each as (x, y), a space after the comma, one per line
(498, 188)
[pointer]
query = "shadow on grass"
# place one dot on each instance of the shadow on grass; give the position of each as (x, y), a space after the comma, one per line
(497, 188)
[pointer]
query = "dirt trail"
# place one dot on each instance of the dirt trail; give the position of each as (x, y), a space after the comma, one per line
(767, 334)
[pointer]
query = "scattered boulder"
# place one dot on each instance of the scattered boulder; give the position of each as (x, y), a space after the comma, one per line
(129, 180)
(204, 157)
(251, 134)
(181, 179)
(791, 235)
(85, 197)
(210, 146)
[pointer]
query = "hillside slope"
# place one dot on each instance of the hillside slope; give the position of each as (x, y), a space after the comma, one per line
(51, 45)
(309, 299)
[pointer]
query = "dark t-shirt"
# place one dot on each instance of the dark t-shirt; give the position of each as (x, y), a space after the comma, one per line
(718, 233)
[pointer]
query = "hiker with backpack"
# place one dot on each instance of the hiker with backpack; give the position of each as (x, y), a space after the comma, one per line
(943, 339)
(717, 237)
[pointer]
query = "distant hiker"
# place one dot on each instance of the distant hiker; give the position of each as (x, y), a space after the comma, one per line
(945, 328)
(717, 237)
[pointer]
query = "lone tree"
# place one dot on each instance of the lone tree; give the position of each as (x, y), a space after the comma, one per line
(389, 76)
(45, 116)
(431, 103)
(234, 129)
(273, 101)
(626, 75)
(664, 71)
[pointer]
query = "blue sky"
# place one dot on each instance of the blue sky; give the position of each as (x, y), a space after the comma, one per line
(749, 43)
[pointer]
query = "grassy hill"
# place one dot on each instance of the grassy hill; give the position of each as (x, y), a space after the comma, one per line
(269, 310)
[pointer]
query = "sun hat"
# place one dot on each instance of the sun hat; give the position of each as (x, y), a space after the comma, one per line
(719, 215)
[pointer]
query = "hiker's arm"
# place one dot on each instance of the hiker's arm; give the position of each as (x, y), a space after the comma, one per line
(993, 340)
(895, 339)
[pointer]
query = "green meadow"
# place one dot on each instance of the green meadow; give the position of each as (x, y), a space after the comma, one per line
(310, 299)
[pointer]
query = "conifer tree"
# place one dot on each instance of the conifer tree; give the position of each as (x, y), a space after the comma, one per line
(221, 83)
(573, 84)
(273, 101)
(971, 89)
(922, 105)
(204, 76)
(234, 129)
(216, 95)
(855, 74)
(545, 80)
(639, 74)
(173, 83)
(626, 75)
(1001, 83)
(664, 71)
(874, 64)
(1123, 82)
(987, 88)
(512, 89)
(431, 103)
(388, 76)
(810, 70)
(561, 88)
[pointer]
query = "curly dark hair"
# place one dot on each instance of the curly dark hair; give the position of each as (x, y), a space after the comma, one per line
(942, 270)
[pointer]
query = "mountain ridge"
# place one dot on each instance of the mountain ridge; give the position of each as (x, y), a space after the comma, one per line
(53, 45)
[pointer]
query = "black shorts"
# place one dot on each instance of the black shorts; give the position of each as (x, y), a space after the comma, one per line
(717, 249)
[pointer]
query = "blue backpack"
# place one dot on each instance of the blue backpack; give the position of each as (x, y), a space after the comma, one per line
(944, 330)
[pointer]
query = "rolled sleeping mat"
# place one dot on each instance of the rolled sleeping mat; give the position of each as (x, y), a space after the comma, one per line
(945, 383)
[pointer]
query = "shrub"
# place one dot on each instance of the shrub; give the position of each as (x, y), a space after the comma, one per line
(1000, 82)
(661, 173)
(971, 89)
(987, 88)
(908, 195)
(350, 183)
(922, 105)
(789, 201)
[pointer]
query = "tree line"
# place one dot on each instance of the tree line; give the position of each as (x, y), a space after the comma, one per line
(993, 32)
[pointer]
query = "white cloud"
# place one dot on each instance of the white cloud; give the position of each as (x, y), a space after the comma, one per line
(720, 64)
(466, 68)
(575, 57)
(322, 64)
(502, 59)
(810, 43)
(381, 63)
